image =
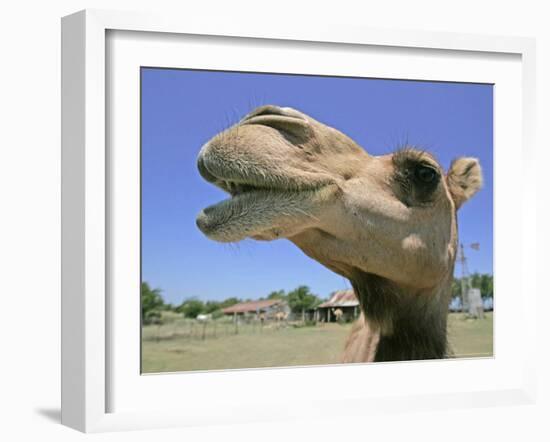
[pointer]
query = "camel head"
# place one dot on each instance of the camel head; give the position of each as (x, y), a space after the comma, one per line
(387, 223)
(290, 176)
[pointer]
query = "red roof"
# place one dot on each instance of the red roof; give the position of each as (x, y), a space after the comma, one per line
(342, 298)
(252, 306)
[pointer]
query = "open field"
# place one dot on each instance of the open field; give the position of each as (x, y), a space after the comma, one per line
(470, 337)
(178, 344)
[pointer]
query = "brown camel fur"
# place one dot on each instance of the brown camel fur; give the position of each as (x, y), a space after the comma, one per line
(387, 223)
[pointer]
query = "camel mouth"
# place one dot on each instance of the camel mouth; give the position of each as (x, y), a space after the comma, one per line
(235, 188)
(253, 212)
(255, 209)
(235, 182)
(263, 197)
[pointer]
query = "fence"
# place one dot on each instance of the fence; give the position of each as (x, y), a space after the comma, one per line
(192, 329)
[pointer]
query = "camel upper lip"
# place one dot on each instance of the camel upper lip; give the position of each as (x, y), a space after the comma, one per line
(232, 186)
(238, 182)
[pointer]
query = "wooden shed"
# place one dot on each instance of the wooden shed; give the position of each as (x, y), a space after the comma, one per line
(344, 300)
(269, 307)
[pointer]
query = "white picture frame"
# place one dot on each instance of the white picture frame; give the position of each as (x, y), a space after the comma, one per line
(88, 322)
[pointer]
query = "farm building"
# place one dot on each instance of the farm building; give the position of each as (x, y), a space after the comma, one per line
(343, 300)
(269, 307)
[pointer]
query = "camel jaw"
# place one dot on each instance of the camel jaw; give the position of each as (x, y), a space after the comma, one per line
(261, 206)
(259, 214)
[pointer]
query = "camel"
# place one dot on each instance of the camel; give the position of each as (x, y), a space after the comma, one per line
(387, 223)
(338, 314)
(281, 318)
(261, 317)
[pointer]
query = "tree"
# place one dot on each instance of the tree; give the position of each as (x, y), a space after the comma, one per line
(211, 306)
(278, 294)
(483, 282)
(486, 286)
(216, 314)
(151, 304)
(168, 307)
(456, 288)
(475, 280)
(301, 299)
(191, 308)
(229, 302)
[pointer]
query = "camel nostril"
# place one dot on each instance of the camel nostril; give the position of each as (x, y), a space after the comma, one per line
(273, 111)
(295, 127)
(263, 111)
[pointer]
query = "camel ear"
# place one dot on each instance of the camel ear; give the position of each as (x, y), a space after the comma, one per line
(464, 179)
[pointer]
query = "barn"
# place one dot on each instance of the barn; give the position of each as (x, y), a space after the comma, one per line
(345, 300)
(269, 307)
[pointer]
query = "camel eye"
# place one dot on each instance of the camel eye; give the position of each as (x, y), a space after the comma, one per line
(426, 174)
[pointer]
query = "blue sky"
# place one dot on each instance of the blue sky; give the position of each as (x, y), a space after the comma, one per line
(182, 109)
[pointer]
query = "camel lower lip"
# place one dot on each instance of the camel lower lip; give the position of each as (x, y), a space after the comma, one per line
(250, 213)
(216, 216)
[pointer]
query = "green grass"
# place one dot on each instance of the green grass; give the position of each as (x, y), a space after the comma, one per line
(470, 337)
(177, 345)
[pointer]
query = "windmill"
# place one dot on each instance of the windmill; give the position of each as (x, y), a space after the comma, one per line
(465, 282)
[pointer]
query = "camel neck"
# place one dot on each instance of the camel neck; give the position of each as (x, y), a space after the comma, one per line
(403, 326)
(409, 341)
